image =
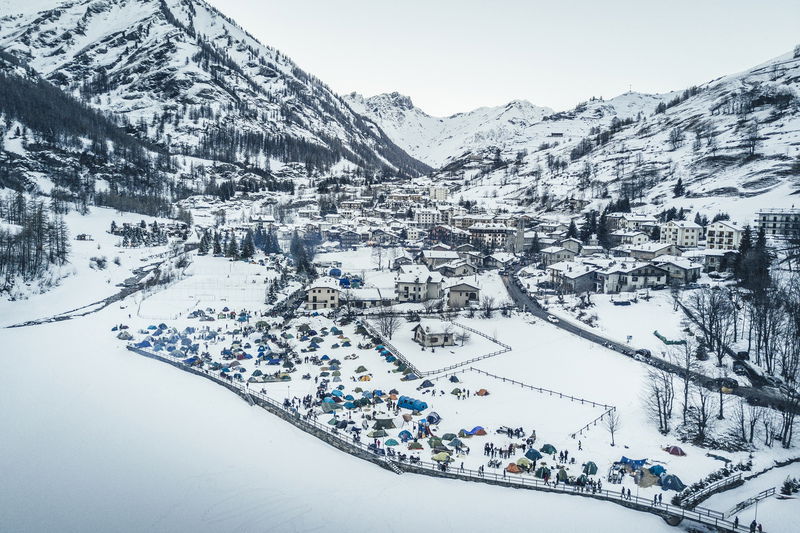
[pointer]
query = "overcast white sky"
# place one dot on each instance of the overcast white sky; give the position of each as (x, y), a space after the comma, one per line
(456, 55)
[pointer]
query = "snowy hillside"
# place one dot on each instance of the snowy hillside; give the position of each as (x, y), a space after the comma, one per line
(733, 138)
(183, 75)
(435, 139)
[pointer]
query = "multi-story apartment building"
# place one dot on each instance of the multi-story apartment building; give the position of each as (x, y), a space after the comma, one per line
(723, 235)
(779, 222)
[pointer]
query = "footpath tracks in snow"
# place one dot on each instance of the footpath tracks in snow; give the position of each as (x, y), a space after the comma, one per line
(671, 513)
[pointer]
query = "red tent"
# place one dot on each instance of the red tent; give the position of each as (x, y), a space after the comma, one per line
(674, 450)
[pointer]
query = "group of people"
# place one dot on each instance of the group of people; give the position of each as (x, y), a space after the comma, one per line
(490, 450)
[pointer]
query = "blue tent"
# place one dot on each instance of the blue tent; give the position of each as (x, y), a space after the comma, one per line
(152, 327)
(337, 392)
(404, 435)
(327, 400)
(349, 405)
(476, 429)
(533, 455)
(324, 358)
(143, 344)
(433, 418)
(657, 470)
(390, 359)
(406, 402)
(672, 482)
(635, 463)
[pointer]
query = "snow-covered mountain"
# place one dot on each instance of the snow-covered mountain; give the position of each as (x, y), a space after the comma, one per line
(729, 140)
(188, 78)
(436, 139)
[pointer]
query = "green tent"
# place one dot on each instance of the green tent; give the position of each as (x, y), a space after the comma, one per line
(433, 442)
(590, 468)
(456, 443)
(456, 391)
(448, 436)
(383, 423)
(391, 442)
(441, 457)
(541, 472)
(562, 476)
(523, 462)
(374, 434)
(548, 449)
(361, 369)
(414, 446)
(358, 389)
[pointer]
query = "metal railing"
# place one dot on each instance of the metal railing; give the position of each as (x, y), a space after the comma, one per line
(358, 448)
(708, 490)
(741, 506)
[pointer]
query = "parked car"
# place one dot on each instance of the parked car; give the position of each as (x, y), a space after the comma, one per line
(740, 369)
(553, 319)
(716, 384)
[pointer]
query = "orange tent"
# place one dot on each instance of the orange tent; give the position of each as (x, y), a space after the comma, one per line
(483, 392)
(513, 468)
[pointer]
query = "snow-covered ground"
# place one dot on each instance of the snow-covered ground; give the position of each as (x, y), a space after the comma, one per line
(778, 514)
(158, 449)
(78, 283)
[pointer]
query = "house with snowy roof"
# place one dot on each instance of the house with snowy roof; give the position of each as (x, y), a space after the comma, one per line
(323, 293)
(415, 283)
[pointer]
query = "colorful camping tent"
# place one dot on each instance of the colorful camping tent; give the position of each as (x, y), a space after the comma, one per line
(549, 449)
(514, 469)
(533, 455)
(590, 468)
(672, 482)
(675, 450)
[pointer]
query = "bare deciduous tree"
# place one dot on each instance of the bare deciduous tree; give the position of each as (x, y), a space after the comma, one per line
(613, 424)
(701, 415)
(659, 397)
(463, 336)
(388, 323)
(487, 305)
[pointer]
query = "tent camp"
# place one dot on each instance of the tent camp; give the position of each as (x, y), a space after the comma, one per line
(404, 435)
(483, 392)
(513, 468)
(590, 468)
(657, 470)
(542, 472)
(562, 475)
(376, 433)
(414, 445)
